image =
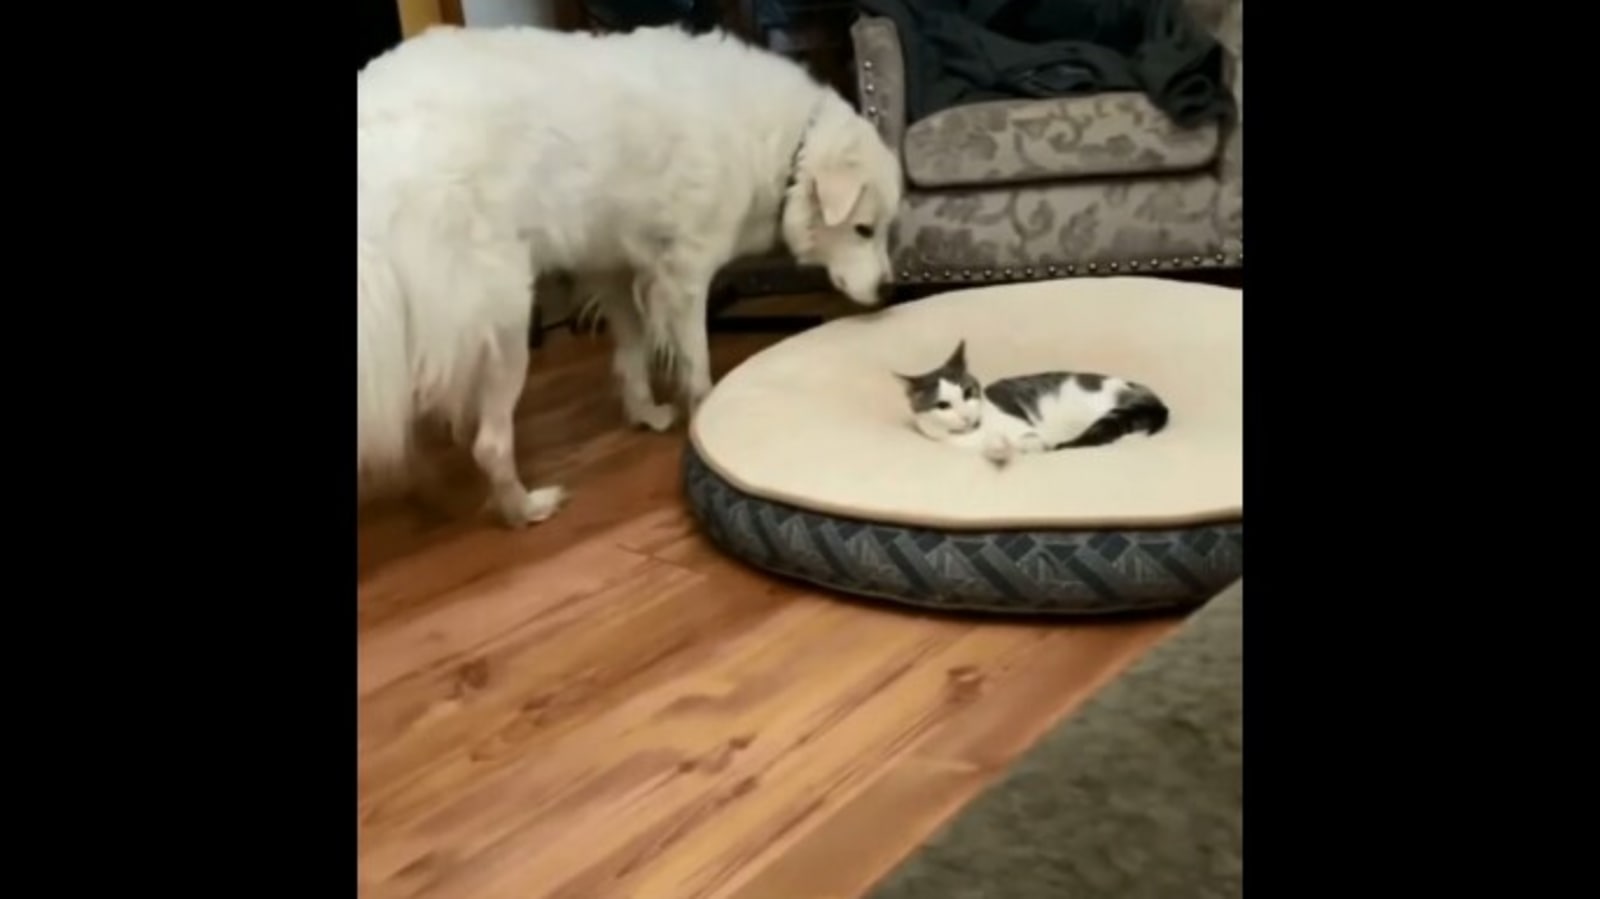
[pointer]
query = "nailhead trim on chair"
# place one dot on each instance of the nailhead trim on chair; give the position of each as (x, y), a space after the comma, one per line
(1068, 269)
(869, 89)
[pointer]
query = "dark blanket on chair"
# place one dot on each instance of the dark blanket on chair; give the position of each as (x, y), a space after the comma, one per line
(965, 51)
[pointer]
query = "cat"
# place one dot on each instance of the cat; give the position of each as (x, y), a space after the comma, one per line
(1033, 413)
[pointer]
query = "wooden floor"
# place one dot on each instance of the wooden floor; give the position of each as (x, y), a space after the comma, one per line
(604, 707)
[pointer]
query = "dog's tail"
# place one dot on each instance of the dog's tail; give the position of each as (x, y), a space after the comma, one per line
(384, 399)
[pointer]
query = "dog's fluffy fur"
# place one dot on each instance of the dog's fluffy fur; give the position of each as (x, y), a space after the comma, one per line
(641, 163)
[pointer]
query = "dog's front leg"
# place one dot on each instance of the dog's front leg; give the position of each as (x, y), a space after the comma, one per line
(630, 359)
(675, 305)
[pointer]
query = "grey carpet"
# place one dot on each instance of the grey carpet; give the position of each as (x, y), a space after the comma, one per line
(1136, 796)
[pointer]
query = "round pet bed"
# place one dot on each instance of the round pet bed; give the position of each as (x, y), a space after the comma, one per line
(803, 462)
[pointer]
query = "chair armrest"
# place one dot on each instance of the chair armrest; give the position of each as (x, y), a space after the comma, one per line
(881, 76)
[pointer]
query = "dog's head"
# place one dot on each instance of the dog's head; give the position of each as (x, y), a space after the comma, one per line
(845, 195)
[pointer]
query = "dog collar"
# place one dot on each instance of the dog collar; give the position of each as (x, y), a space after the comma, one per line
(794, 164)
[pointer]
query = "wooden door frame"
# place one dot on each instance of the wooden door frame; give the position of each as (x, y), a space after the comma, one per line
(417, 15)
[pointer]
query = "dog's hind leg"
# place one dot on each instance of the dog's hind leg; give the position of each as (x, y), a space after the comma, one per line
(630, 361)
(497, 292)
(494, 449)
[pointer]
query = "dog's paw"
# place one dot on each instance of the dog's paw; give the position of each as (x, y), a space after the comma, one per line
(998, 449)
(657, 417)
(536, 506)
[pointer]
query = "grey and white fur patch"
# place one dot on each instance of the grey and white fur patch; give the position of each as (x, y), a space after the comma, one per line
(1036, 412)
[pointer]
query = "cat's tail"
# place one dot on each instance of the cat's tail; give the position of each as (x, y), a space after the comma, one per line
(1138, 409)
(1147, 412)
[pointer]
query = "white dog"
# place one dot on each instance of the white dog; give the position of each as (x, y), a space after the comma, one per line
(642, 162)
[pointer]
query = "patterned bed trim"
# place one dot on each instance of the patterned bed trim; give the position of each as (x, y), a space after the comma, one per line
(1025, 572)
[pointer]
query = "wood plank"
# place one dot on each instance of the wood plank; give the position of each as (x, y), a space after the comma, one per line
(899, 810)
(607, 707)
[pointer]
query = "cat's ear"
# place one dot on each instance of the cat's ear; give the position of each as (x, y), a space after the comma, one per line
(958, 359)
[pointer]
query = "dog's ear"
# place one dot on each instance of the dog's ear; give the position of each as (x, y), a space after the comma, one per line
(838, 191)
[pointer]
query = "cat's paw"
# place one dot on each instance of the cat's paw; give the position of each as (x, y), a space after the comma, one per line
(1031, 443)
(998, 449)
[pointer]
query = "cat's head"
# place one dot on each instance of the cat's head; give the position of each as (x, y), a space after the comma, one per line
(946, 400)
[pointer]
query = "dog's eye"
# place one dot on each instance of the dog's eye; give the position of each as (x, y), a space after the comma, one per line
(865, 231)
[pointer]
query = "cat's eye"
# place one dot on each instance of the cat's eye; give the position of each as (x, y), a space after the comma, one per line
(865, 231)
(942, 404)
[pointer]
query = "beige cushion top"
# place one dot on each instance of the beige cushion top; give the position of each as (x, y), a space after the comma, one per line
(819, 421)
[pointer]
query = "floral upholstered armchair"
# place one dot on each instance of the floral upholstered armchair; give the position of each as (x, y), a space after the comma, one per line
(1013, 190)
